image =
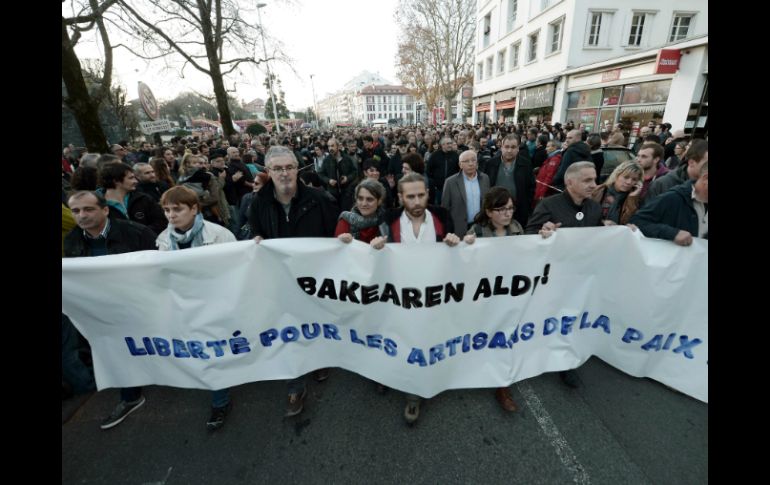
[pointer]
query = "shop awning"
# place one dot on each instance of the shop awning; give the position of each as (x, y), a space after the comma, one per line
(507, 104)
(483, 107)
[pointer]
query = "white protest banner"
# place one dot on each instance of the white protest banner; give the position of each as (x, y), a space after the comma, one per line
(150, 127)
(421, 318)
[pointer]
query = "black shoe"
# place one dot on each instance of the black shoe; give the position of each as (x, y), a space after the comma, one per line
(122, 410)
(217, 419)
(570, 378)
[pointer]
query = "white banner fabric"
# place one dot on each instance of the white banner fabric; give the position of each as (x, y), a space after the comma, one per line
(422, 318)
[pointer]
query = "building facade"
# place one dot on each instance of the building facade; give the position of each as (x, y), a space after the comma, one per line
(597, 62)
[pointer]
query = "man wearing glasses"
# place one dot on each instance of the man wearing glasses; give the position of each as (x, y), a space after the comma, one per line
(464, 191)
(284, 208)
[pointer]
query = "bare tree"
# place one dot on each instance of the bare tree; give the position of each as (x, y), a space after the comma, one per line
(414, 70)
(84, 103)
(210, 35)
(441, 33)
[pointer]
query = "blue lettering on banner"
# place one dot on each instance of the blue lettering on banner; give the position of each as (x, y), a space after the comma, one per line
(416, 356)
(239, 345)
(656, 342)
(390, 347)
(179, 349)
(217, 346)
(162, 346)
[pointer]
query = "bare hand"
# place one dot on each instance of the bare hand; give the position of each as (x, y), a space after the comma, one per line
(258, 239)
(637, 190)
(391, 180)
(345, 237)
(343, 180)
(469, 238)
(451, 240)
(378, 242)
(632, 227)
(237, 176)
(608, 222)
(683, 238)
(332, 182)
(548, 229)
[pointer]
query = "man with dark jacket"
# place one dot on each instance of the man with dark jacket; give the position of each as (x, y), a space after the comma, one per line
(372, 148)
(442, 164)
(679, 214)
(148, 181)
(285, 208)
(239, 180)
(337, 171)
(577, 151)
(98, 235)
(512, 168)
(572, 208)
(125, 202)
(698, 156)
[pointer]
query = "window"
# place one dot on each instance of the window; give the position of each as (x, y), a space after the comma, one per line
(594, 28)
(532, 52)
(489, 66)
(680, 27)
(501, 62)
(637, 29)
(555, 29)
(513, 62)
(487, 29)
(480, 71)
(513, 6)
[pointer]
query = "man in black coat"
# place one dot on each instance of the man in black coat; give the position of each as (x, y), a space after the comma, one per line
(125, 202)
(577, 151)
(679, 214)
(512, 168)
(442, 164)
(98, 235)
(286, 208)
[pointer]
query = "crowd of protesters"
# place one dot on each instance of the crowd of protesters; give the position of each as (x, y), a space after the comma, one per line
(415, 183)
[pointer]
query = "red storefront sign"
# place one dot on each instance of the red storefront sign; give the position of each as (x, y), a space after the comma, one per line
(667, 61)
(612, 75)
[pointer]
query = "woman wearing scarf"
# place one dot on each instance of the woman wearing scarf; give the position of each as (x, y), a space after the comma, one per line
(619, 195)
(362, 223)
(193, 175)
(187, 229)
(495, 219)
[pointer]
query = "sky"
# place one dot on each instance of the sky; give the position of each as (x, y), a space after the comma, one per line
(334, 40)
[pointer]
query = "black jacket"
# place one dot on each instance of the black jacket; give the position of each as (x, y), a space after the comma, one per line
(560, 208)
(153, 189)
(539, 157)
(144, 210)
(664, 216)
(123, 237)
(312, 214)
(441, 165)
(577, 152)
(523, 177)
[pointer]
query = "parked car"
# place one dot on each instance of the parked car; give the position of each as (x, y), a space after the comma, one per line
(613, 156)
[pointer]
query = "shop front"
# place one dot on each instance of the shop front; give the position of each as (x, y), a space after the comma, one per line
(536, 103)
(630, 105)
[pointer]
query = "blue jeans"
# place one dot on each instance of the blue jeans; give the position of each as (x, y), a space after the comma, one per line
(220, 398)
(74, 370)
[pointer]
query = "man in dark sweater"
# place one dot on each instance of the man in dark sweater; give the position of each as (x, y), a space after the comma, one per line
(572, 208)
(98, 235)
(512, 168)
(442, 164)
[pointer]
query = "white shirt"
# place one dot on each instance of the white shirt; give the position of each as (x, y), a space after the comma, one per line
(427, 229)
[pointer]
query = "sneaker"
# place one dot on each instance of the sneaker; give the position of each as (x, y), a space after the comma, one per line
(217, 419)
(412, 412)
(321, 375)
(122, 410)
(503, 396)
(296, 403)
(570, 378)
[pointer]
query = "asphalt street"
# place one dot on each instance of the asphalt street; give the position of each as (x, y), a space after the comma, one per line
(614, 429)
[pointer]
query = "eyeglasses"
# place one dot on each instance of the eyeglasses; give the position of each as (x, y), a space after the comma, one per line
(287, 169)
(503, 210)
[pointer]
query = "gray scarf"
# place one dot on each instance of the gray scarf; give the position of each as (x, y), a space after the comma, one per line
(194, 234)
(358, 222)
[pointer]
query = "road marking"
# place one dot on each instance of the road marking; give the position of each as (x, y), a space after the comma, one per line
(163, 482)
(563, 450)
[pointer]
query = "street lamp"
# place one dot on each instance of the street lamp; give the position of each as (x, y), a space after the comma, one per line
(267, 67)
(315, 106)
